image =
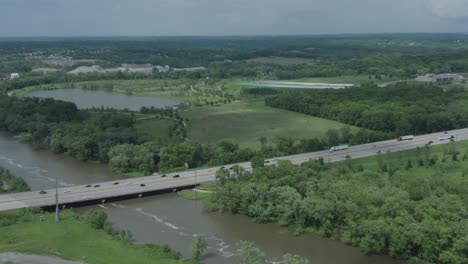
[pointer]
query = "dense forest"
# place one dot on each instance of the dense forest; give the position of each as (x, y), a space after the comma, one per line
(398, 109)
(409, 207)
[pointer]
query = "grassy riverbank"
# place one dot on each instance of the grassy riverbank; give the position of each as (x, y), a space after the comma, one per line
(73, 239)
(203, 192)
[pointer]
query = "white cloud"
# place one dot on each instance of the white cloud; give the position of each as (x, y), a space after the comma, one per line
(449, 8)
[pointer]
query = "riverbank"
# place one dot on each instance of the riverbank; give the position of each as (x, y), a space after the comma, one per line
(73, 239)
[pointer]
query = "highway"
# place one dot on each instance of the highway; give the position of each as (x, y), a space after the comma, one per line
(136, 187)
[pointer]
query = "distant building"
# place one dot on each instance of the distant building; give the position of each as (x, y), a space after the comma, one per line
(164, 68)
(14, 76)
(439, 78)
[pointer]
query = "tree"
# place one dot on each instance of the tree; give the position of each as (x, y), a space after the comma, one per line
(251, 254)
(409, 165)
(130, 158)
(346, 134)
(294, 259)
(199, 247)
(257, 162)
(333, 137)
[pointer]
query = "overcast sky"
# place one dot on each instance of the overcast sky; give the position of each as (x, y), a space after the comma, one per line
(228, 17)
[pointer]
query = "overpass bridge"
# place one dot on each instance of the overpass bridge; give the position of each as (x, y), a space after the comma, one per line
(137, 187)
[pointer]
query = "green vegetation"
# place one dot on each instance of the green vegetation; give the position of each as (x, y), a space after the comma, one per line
(398, 109)
(198, 92)
(250, 254)
(77, 239)
(199, 247)
(10, 183)
(203, 192)
(155, 129)
(247, 121)
(280, 60)
(396, 204)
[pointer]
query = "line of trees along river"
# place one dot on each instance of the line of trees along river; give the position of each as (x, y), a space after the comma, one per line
(394, 210)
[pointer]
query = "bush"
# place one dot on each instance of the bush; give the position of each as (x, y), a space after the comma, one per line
(96, 219)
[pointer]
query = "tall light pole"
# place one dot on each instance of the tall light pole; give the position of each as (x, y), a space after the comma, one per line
(57, 212)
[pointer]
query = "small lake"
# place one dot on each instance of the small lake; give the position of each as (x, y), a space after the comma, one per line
(100, 98)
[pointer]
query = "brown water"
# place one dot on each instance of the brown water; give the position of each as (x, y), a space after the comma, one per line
(100, 98)
(169, 219)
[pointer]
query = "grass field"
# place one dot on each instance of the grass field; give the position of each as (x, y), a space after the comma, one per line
(74, 240)
(400, 159)
(157, 129)
(247, 121)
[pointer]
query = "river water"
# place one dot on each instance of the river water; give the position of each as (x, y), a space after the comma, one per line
(101, 98)
(170, 219)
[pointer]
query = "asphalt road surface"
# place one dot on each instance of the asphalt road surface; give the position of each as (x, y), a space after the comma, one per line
(138, 186)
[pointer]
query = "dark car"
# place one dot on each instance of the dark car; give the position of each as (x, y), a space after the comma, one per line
(116, 183)
(429, 143)
(176, 176)
(97, 185)
(87, 186)
(142, 185)
(163, 176)
(267, 161)
(42, 192)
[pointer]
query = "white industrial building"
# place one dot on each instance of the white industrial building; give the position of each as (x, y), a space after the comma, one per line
(439, 78)
(14, 76)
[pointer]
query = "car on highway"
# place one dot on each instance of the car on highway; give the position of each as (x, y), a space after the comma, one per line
(87, 186)
(66, 191)
(163, 176)
(97, 185)
(176, 176)
(142, 185)
(42, 192)
(429, 143)
(116, 183)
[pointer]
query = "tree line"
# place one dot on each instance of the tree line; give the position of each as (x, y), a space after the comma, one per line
(398, 109)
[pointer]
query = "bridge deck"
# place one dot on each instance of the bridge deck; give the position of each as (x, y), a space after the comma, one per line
(136, 186)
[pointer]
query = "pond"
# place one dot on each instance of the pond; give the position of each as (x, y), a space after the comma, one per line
(100, 98)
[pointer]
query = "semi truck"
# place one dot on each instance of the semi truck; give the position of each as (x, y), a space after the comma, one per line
(338, 148)
(404, 138)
